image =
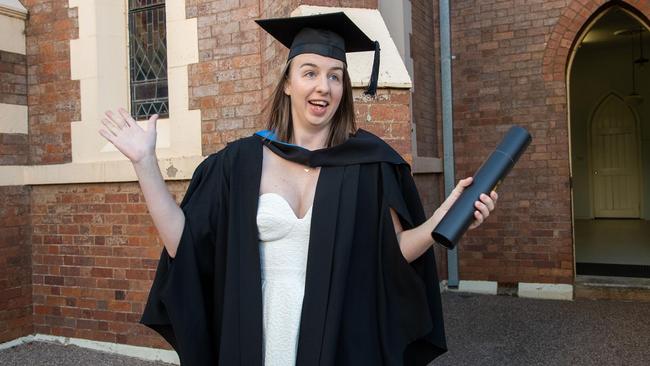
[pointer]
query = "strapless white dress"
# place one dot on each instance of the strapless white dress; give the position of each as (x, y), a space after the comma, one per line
(284, 244)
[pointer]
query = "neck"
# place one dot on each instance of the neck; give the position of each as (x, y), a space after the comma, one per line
(310, 139)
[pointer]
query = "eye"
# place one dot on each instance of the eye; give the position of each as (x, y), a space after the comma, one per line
(334, 77)
(310, 74)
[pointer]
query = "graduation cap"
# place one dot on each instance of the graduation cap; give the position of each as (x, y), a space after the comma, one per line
(329, 35)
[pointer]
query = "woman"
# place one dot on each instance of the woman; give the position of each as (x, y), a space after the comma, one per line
(303, 244)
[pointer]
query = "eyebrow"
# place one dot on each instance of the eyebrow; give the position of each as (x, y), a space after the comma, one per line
(316, 66)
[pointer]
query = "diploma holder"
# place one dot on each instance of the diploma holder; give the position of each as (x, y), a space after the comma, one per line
(461, 214)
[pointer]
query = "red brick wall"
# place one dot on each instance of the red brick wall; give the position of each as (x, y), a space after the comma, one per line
(274, 55)
(386, 115)
(54, 100)
(13, 78)
(225, 84)
(15, 264)
(425, 52)
(95, 252)
(498, 81)
(15, 250)
(14, 148)
(510, 68)
(426, 61)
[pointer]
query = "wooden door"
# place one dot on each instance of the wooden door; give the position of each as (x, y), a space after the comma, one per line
(615, 160)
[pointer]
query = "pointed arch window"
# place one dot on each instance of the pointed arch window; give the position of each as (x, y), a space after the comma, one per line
(148, 58)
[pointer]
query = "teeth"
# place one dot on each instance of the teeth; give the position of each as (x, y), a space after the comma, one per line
(319, 103)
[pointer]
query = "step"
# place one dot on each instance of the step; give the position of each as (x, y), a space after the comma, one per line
(612, 288)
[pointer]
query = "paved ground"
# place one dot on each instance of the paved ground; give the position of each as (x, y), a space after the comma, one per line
(501, 330)
(481, 330)
(48, 354)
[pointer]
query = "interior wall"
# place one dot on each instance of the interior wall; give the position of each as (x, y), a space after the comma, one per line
(596, 72)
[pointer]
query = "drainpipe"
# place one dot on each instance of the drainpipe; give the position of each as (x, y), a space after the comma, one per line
(447, 126)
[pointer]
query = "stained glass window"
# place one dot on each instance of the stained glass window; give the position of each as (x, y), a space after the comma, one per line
(148, 58)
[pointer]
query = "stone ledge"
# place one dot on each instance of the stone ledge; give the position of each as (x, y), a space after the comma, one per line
(547, 291)
(13, 8)
(426, 165)
(97, 172)
(478, 287)
(612, 288)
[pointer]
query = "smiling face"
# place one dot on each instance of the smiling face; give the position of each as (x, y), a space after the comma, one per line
(315, 86)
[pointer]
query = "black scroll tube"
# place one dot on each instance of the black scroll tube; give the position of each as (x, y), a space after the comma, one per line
(461, 214)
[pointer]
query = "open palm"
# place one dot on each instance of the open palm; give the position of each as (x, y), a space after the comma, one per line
(128, 137)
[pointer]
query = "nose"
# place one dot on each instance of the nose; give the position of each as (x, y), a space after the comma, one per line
(323, 86)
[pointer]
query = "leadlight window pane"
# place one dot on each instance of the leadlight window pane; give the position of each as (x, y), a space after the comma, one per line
(148, 58)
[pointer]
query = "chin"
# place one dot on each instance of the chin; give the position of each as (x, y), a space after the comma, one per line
(321, 123)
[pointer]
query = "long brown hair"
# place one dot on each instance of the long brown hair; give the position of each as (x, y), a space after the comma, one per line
(278, 112)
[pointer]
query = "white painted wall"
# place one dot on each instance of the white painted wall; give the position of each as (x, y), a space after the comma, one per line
(13, 118)
(397, 16)
(12, 34)
(392, 70)
(595, 73)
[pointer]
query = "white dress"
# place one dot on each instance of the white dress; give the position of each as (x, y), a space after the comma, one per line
(284, 243)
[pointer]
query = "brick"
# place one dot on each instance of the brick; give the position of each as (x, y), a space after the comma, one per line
(48, 34)
(16, 276)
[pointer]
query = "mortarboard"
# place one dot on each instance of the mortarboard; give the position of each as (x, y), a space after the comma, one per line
(329, 35)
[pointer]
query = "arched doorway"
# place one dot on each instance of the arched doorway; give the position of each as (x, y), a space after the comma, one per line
(609, 93)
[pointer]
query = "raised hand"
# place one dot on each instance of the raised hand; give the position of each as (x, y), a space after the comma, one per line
(128, 137)
(139, 146)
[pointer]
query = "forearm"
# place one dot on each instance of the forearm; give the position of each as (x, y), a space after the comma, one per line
(414, 242)
(165, 213)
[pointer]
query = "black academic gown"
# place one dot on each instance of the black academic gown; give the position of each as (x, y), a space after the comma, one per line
(364, 304)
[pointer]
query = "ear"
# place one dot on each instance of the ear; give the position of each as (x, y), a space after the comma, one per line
(287, 87)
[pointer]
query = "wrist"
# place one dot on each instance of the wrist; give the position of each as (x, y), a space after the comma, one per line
(436, 217)
(146, 162)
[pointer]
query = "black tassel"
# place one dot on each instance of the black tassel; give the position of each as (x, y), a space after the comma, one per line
(374, 76)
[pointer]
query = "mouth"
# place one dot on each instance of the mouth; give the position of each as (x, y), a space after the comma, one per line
(318, 107)
(319, 103)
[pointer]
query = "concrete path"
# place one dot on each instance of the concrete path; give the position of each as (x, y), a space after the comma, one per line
(481, 330)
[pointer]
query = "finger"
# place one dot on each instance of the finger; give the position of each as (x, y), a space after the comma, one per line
(465, 182)
(151, 124)
(462, 184)
(110, 126)
(117, 120)
(126, 116)
(482, 208)
(107, 135)
(487, 201)
(495, 196)
(108, 117)
(478, 220)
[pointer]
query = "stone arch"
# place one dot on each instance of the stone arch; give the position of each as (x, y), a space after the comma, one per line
(571, 25)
